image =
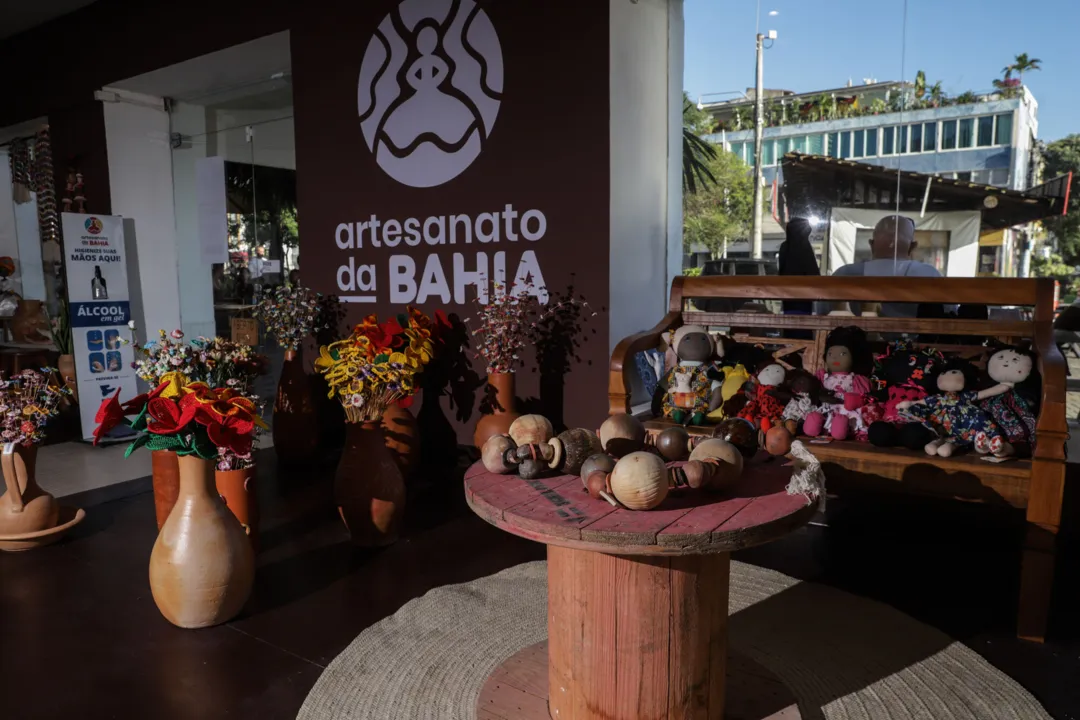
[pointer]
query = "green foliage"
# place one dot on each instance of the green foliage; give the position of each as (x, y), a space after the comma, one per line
(697, 153)
(692, 272)
(723, 211)
(1053, 266)
(700, 122)
(920, 85)
(1060, 158)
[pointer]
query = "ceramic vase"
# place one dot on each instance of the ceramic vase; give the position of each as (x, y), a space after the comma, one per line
(503, 414)
(65, 364)
(369, 488)
(237, 489)
(25, 507)
(295, 423)
(202, 565)
(399, 428)
(29, 324)
(165, 473)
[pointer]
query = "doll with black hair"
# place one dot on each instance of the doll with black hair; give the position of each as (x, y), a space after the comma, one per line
(953, 414)
(848, 361)
(903, 372)
(1015, 411)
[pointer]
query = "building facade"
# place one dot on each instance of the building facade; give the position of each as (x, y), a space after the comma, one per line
(989, 141)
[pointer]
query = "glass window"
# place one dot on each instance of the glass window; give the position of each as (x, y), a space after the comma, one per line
(916, 138)
(834, 145)
(783, 147)
(986, 130)
(750, 157)
(887, 137)
(815, 144)
(845, 144)
(871, 142)
(948, 134)
(901, 131)
(964, 176)
(929, 137)
(768, 156)
(967, 133)
(736, 149)
(980, 176)
(798, 144)
(999, 176)
(1003, 132)
(860, 148)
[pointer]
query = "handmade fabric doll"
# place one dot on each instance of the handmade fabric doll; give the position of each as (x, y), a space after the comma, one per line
(1014, 411)
(903, 372)
(953, 414)
(768, 398)
(847, 364)
(806, 395)
(686, 393)
(733, 372)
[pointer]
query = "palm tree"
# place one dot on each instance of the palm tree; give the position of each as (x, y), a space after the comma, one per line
(1023, 64)
(920, 85)
(697, 154)
(937, 94)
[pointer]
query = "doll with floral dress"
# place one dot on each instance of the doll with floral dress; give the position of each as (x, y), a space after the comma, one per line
(845, 379)
(954, 415)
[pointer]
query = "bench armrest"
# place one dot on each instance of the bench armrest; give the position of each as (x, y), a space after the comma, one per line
(1051, 429)
(623, 355)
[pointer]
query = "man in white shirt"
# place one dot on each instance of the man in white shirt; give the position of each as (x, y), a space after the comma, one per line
(891, 247)
(257, 265)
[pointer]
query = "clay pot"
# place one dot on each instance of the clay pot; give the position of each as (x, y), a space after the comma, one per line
(399, 427)
(778, 441)
(503, 415)
(65, 364)
(166, 480)
(295, 423)
(29, 324)
(639, 481)
(369, 488)
(202, 565)
(237, 489)
(622, 434)
(25, 507)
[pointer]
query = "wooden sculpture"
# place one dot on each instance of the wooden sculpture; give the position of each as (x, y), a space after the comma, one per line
(621, 435)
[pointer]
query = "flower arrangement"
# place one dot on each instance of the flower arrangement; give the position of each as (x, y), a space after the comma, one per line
(184, 416)
(215, 361)
(511, 321)
(28, 400)
(378, 364)
(290, 313)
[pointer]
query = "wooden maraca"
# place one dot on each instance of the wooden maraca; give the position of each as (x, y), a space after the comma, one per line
(531, 430)
(621, 435)
(778, 441)
(672, 443)
(498, 455)
(724, 456)
(594, 476)
(639, 481)
(564, 453)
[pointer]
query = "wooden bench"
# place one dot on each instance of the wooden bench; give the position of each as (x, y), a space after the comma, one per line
(1035, 485)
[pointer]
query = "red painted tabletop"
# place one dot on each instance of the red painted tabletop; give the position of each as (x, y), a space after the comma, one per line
(558, 511)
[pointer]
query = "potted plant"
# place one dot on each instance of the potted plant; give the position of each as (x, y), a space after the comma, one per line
(60, 329)
(368, 372)
(202, 565)
(290, 313)
(218, 363)
(28, 400)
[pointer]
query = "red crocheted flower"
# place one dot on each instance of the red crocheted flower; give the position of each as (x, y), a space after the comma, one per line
(136, 403)
(167, 417)
(108, 416)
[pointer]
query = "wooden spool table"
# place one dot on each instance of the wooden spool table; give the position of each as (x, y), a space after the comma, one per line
(637, 601)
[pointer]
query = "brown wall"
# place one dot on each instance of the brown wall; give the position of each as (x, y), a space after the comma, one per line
(548, 150)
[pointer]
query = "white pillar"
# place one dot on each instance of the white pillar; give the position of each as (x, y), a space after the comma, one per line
(645, 199)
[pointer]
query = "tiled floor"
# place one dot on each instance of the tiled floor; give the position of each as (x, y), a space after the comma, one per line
(83, 639)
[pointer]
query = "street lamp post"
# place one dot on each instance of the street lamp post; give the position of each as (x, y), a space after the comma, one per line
(759, 129)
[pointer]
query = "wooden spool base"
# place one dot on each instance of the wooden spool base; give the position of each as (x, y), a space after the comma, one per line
(518, 690)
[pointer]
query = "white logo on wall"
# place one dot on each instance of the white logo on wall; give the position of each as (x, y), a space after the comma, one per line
(430, 88)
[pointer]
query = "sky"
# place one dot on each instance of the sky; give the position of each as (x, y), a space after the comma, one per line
(822, 44)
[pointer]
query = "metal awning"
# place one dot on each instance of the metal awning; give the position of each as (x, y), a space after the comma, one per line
(814, 184)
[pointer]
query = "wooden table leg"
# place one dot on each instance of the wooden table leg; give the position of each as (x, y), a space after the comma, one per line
(636, 638)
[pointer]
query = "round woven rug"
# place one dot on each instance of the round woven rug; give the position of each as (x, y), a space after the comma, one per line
(840, 655)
